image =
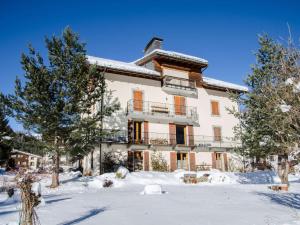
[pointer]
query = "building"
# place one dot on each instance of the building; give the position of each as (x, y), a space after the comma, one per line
(25, 159)
(167, 106)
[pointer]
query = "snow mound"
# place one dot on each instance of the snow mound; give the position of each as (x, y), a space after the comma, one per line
(152, 189)
(122, 172)
(95, 183)
(220, 178)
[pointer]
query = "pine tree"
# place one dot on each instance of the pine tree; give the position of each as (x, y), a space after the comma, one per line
(270, 118)
(58, 93)
(6, 133)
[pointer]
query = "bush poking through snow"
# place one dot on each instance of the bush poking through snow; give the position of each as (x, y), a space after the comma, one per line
(202, 179)
(107, 183)
(10, 192)
(122, 172)
(158, 162)
(152, 189)
(29, 200)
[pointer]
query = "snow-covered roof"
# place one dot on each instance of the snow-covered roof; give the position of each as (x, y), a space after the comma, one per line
(123, 66)
(131, 67)
(173, 55)
(25, 153)
(224, 84)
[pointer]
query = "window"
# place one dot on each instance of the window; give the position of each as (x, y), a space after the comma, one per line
(135, 160)
(179, 105)
(180, 135)
(182, 160)
(217, 134)
(215, 108)
(138, 100)
(137, 129)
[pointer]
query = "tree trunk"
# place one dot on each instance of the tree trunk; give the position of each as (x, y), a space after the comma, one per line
(55, 172)
(283, 169)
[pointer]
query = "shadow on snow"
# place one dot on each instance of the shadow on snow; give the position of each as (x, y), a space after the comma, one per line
(291, 200)
(88, 215)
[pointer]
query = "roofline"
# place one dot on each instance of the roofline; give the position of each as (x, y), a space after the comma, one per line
(221, 88)
(158, 52)
(26, 153)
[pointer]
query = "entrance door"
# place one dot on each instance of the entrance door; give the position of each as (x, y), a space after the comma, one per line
(180, 135)
(182, 160)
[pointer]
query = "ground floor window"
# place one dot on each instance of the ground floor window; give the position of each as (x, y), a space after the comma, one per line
(182, 160)
(137, 132)
(135, 160)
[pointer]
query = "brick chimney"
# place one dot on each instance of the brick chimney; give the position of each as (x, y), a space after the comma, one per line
(154, 43)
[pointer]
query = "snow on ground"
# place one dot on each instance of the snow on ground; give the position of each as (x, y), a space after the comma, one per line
(228, 198)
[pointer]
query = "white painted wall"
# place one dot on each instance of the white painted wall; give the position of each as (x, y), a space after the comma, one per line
(175, 73)
(123, 86)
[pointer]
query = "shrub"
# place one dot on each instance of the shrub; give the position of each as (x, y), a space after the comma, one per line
(108, 183)
(158, 162)
(202, 179)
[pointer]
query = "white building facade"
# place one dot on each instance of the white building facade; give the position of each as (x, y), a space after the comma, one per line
(169, 108)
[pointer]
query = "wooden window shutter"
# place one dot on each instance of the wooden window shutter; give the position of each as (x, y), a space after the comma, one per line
(193, 161)
(217, 134)
(214, 165)
(215, 108)
(225, 161)
(191, 135)
(183, 108)
(130, 160)
(179, 105)
(138, 101)
(146, 161)
(173, 161)
(146, 132)
(172, 133)
(130, 131)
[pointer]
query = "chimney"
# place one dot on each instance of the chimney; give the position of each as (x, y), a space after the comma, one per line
(154, 43)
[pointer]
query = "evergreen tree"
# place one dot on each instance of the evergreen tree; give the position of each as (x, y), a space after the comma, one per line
(6, 133)
(270, 119)
(58, 93)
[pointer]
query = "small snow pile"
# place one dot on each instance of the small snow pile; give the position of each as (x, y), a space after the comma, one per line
(220, 178)
(75, 174)
(95, 183)
(152, 189)
(122, 172)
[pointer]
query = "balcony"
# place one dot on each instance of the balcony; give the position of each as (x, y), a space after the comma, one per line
(179, 86)
(114, 136)
(161, 112)
(195, 141)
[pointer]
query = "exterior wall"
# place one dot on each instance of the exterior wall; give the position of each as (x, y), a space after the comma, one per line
(175, 73)
(206, 120)
(122, 87)
(26, 161)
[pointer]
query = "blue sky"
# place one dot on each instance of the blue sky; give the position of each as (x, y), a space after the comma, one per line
(223, 32)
